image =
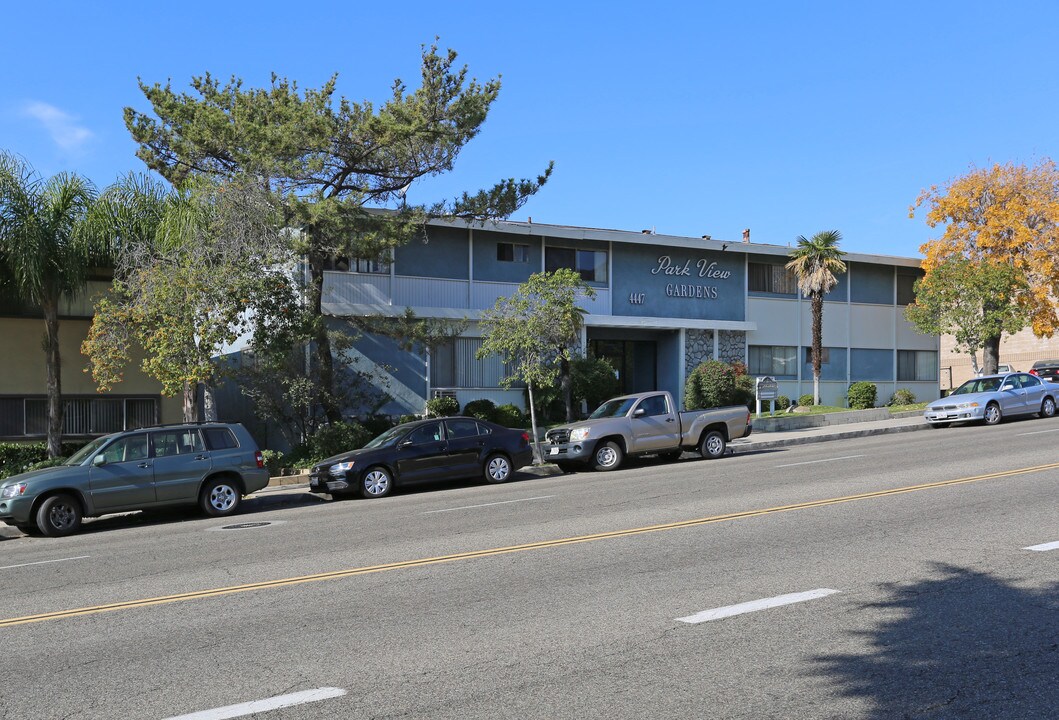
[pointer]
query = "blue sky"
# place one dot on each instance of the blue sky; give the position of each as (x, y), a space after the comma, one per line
(686, 118)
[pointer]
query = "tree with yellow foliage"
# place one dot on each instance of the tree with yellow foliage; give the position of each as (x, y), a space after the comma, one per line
(1004, 215)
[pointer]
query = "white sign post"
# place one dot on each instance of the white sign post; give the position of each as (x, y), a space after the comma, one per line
(767, 388)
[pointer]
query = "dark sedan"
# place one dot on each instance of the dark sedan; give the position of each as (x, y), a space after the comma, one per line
(425, 450)
(1046, 370)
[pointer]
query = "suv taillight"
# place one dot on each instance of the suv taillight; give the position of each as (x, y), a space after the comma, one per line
(260, 459)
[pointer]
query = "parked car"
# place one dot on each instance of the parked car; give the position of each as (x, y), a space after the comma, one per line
(424, 450)
(992, 398)
(1046, 370)
(210, 464)
(1001, 369)
(645, 424)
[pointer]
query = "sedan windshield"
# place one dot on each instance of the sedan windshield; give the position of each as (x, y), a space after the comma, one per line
(87, 451)
(387, 438)
(613, 408)
(978, 385)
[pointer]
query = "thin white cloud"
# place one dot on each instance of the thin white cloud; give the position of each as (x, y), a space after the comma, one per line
(62, 127)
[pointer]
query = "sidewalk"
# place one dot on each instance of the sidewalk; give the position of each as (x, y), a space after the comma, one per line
(756, 441)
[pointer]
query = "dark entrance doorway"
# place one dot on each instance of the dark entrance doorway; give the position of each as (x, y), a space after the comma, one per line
(635, 360)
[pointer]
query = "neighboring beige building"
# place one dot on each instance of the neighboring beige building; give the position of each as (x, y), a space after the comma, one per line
(1020, 350)
(135, 402)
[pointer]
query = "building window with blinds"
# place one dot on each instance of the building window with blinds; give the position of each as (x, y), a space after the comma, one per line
(917, 365)
(773, 360)
(769, 278)
(82, 416)
(453, 365)
(591, 265)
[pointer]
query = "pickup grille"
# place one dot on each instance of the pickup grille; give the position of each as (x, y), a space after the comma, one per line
(558, 436)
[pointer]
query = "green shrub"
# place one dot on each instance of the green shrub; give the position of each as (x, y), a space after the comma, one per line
(593, 381)
(330, 440)
(862, 395)
(407, 419)
(442, 406)
(711, 384)
(377, 424)
(903, 396)
(510, 416)
(483, 409)
(17, 458)
(274, 460)
(745, 391)
(782, 402)
(806, 399)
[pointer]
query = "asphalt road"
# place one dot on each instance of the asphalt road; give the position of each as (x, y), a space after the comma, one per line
(880, 577)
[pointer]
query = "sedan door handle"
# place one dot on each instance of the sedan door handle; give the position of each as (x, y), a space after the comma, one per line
(201, 457)
(144, 465)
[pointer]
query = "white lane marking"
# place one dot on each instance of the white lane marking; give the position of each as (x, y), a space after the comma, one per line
(502, 502)
(260, 706)
(810, 462)
(1043, 548)
(1038, 432)
(755, 605)
(44, 562)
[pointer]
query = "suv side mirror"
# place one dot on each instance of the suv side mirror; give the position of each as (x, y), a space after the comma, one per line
(99, 460)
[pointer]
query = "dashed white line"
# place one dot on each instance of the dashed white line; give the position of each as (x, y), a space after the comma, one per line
(1038, 432)
(810, 462)
(44, 562)
(502, 502)
(260, 706)
(755, 605)
(1043, 548)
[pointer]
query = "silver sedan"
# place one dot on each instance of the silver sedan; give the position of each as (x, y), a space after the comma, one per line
(994, 397)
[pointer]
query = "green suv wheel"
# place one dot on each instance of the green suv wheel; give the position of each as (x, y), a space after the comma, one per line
(59, 515)
(219, 497)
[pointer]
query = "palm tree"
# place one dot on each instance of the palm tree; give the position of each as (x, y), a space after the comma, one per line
(46, 255)
(815, 262)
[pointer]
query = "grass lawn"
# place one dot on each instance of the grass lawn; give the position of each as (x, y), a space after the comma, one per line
(823, 409)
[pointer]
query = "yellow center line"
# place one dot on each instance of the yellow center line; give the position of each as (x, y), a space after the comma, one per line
(350, 572)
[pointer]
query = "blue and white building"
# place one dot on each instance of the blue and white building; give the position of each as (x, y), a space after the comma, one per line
(663, 304)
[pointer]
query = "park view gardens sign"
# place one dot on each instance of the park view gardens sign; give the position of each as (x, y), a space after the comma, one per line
(701, 269)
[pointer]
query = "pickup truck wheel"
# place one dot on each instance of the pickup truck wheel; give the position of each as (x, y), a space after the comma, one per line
(608, 456)
(712, 445)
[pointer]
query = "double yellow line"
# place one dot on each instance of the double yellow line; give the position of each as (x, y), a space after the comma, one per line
(474, 554)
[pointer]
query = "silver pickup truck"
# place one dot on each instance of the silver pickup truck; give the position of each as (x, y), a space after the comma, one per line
(644, 424)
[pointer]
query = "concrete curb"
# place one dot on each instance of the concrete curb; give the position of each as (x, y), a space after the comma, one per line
(751, 445)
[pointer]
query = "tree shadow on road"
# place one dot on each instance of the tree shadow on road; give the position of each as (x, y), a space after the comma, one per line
(963, 644)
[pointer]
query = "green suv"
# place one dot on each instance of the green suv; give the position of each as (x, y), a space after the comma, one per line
(209, 464)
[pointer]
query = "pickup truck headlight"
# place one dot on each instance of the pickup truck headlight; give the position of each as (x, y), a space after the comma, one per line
(578, 434)
(14, 490)
(340, 468)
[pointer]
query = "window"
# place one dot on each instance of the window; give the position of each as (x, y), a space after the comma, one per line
(917, 365)
(356, 264)
(906, 294)
(220, 438)
(431, 432)
(590, 264)
(28, 416)
(127, 449)
(769, 278)
(512, 252)
(654, 405)
(871, 364)
(176, 442)
(774, 360)
(825, 356)
(453, 365)
(462, 428)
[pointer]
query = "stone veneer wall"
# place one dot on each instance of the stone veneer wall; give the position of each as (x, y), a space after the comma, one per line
(732, 346)
(698, 348)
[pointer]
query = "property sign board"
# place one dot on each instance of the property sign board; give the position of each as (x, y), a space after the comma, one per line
(767, 388)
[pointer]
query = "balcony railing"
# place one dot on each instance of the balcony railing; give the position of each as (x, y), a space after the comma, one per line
(343, 289)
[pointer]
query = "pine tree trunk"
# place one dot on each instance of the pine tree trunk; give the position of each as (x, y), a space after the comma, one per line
(566, 384)
(322, 342)
(54, 369)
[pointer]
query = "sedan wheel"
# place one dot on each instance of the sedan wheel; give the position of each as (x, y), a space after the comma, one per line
(1048, 407)
(992, 414)
(497, 469)
(377, 483)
